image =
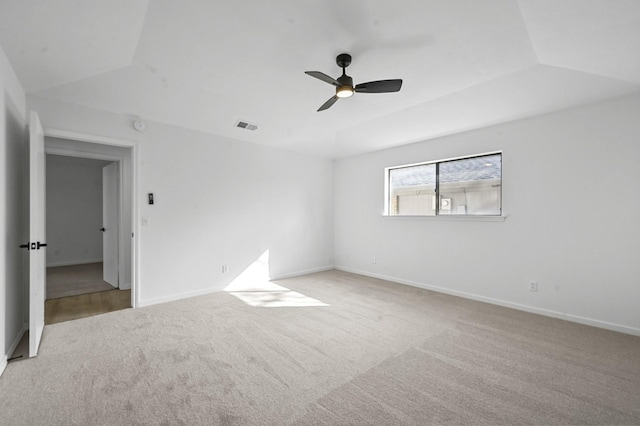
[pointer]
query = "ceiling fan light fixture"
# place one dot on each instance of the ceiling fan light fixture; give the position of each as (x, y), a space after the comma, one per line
(344, 91)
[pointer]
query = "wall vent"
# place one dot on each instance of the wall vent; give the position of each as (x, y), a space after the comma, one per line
(246, 125)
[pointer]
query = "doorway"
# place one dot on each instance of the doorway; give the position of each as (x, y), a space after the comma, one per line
(82, 211)
(109, 233)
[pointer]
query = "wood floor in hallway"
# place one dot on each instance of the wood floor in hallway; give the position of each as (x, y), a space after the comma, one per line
(85, 305)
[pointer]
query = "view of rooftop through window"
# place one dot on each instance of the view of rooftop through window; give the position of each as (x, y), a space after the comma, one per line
(466, 186)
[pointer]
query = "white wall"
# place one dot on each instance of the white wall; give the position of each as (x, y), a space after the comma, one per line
(74, 210)
(226, 202)
(569, 194)
(218, 201)
(12, 226)
(570, 187)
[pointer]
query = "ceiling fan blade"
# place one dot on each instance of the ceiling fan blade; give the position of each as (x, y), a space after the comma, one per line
(381, 86)
(328, 104)
(322, 76)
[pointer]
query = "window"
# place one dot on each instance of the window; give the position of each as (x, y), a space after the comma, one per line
(461, 186)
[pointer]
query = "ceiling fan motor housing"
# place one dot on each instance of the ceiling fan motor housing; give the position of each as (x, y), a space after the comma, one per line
(345, 80)
(346, 86)
(346, 83)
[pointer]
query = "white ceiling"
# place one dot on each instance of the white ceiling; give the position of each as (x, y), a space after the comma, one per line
(205, 64)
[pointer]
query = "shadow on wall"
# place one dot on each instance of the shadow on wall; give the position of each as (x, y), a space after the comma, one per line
(254, 287)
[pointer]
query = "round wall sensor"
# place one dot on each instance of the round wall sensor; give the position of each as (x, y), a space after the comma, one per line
(139, 125)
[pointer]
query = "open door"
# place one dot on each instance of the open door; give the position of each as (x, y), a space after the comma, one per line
(109, 229)
(37, 233)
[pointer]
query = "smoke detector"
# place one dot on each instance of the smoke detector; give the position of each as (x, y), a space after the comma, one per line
(246, 125)
(140, 125)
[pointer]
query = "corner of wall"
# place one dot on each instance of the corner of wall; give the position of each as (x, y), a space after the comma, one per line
(11, 85)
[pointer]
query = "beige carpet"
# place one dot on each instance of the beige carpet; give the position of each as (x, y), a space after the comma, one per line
(72, 280)
(379, 353)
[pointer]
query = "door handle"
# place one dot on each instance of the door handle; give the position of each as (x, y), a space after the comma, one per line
(102, 229)
(33, 246)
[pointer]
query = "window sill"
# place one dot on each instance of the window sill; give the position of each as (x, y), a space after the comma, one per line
(454, 218)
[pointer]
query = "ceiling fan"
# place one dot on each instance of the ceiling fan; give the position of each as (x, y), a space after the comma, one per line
(344, 83)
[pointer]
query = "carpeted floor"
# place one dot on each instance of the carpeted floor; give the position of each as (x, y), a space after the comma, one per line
(72, 280)
(374, 353)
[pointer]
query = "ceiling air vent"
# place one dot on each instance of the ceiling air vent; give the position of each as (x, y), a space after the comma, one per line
(246, 125)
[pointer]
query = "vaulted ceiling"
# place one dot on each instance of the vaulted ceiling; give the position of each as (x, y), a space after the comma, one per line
(205, 64)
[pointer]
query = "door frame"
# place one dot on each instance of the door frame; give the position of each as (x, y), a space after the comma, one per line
(133, 240)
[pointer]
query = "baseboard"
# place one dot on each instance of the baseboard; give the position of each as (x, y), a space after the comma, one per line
(526, 308)
(300, 273)
(5, 357)
(203, 292)
(175, 297)
(74, 262)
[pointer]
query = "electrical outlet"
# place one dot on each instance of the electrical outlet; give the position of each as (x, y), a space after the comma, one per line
(373, 260)
(225, 269)
(533, 285)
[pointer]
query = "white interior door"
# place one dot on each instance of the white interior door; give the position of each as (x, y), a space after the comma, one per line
(110, 223)
(37, 233)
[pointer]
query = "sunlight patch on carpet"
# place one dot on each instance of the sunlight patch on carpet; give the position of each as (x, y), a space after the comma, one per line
(277, 299)
(253, 287)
